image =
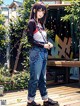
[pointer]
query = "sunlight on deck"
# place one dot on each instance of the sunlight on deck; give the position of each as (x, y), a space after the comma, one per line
(66, 95)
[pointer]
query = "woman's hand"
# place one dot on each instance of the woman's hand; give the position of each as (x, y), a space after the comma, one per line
(50, 44)
(46, 46)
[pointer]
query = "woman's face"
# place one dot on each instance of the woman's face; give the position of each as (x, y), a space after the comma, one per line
(40, 13)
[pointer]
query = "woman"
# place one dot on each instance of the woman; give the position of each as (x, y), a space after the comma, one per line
(38, 55)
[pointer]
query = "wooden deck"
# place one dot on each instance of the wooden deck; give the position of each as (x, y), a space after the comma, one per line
(66, 95)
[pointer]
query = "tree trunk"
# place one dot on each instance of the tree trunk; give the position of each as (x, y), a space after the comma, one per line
(18, 54)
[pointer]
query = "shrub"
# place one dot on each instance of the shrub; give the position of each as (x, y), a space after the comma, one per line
(18, 82)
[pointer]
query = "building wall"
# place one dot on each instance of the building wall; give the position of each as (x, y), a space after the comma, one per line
(5, 12)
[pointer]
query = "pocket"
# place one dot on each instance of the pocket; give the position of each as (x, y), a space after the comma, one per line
(34, 55)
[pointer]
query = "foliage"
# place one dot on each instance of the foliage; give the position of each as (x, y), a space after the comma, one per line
(26, 14)
(17, 26)
(2, 32)
(1, 1)
(50, 33)
(19, 81)
(2, 35)
(2, 19)
(73, 15)
(4, 73)
(2, 29)
(67, 0)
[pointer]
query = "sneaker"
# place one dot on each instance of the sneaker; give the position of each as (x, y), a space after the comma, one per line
(33, 103)
(50, 102)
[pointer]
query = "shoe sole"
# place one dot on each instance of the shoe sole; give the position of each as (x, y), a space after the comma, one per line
(51, 105)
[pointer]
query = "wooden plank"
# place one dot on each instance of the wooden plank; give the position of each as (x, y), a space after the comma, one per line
(63, 63)
(64, 94)
(73, 104)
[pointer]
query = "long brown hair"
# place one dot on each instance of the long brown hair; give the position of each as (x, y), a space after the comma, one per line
(37, 6)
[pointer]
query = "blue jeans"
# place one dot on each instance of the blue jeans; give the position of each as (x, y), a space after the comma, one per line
(38, 61)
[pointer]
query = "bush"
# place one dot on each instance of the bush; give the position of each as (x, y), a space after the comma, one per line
(18, 82)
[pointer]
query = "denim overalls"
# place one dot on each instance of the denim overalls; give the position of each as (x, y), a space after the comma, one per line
(38, 61)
